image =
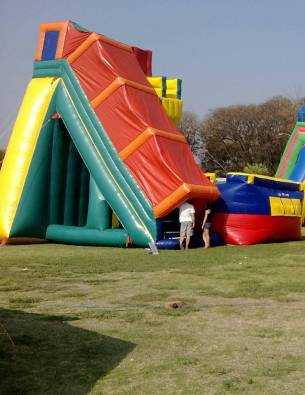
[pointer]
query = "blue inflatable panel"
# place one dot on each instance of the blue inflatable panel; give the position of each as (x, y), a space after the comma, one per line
(277, 185)
(298, 173)
(263, 182)
(50, 45)
(240, 197)
(216, 240)
(168, 244)
(160, 231)
(301, 114)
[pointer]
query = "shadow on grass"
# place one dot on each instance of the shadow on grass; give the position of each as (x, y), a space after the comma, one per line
(51, 357)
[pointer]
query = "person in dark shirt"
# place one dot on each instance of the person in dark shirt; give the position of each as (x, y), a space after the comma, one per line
(206, 227)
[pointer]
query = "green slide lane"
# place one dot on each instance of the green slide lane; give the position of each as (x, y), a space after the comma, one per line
(107, 177)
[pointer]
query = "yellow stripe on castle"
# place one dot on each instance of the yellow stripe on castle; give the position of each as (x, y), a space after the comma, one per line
(285, 207)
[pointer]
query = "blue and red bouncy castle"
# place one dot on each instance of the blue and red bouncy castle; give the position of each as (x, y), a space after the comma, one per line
(256, 209)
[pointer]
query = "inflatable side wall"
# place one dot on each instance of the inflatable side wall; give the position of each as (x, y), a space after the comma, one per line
(256, 209)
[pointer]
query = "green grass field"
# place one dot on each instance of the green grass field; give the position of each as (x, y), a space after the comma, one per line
(92, 320)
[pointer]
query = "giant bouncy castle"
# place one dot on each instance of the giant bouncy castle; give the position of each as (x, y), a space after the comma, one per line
(95, 156)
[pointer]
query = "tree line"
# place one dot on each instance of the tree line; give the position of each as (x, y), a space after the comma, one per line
(247, 138)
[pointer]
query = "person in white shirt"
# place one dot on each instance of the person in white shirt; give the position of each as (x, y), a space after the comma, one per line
(187, 223)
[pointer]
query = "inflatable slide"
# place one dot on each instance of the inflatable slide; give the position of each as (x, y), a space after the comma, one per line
(95, 156)
(292, 164)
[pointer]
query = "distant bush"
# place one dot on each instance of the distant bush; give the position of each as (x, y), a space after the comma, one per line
(257, 168)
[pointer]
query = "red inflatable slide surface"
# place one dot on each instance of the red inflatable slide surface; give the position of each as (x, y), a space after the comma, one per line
(113, 76)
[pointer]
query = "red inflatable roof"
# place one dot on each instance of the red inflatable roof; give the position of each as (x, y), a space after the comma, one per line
(113, 76)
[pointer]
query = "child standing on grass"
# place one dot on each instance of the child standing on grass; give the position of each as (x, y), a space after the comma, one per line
(206, 227)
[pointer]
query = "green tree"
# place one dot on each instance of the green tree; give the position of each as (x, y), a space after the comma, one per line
(242, 135)
(256, 168)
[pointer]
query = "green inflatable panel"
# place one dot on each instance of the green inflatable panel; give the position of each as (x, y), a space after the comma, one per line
(76, 179)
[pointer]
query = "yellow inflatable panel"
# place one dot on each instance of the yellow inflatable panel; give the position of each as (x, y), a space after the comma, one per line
(166, 87)
(158, 83)
(211, 176)
(173, 88)
(276, 206)
(21, 148)
(303, 206)
(173, 108)
(285, 207)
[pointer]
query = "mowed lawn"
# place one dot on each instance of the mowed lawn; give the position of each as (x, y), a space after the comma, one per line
(92, 320)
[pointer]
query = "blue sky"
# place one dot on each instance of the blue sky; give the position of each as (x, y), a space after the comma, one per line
(226, 51)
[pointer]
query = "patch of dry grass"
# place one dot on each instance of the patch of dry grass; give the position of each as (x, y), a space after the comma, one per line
(86, 319)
